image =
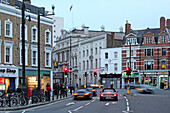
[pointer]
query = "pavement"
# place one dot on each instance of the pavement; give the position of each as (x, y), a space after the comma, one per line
(36, 104)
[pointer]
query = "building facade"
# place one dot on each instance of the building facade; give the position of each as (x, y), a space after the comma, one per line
(150, 52)
(85, 52)
(11, 47)
(111, 67)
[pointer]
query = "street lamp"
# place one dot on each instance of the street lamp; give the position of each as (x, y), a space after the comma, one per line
(130, 56)
(44, 14)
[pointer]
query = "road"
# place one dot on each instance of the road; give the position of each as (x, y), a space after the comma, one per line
(138, 103)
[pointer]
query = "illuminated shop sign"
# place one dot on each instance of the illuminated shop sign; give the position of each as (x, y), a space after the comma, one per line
(1, 80)
(7, 71)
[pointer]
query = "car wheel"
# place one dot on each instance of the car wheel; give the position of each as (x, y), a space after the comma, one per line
(101, 99)
(116, 99)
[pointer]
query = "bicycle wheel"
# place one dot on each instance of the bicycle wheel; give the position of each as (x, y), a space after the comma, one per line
(3, 102)
(13, 101)
(43, 98)
(22, 101)
(35, 99)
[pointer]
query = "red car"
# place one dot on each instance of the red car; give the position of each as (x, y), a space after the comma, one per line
(108, 94)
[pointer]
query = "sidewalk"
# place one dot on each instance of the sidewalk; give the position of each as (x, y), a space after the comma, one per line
(34, 105)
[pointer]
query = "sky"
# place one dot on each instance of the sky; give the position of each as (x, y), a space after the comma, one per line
(112, 14)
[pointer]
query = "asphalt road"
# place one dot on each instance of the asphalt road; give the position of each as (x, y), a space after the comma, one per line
(138, 103)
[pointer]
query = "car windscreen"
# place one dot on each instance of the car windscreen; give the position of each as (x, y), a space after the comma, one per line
(111, 90)
(81, 90)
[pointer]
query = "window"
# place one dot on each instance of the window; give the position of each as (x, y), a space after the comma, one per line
(34, 34)
(115, 54)
(26, 30)
(163, 64)
(48, 37)
(8, 28)
(149, 65)
(91, 64)
(115, 67)
(106, 55)
(149, 52)
(83, 53)
(83, 65)
(87, 64)
(106, 67)
(163, 39)
(96, 50)
(163, 51)
(100, 50)
(8, 45)
(34, 55)
(87, 53)
(48, 56)
(148, 40)
(96, 63)
(0, 27)
(0, 50)
(92, 52)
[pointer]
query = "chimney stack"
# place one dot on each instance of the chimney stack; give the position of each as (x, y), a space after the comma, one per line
(86, 29)
(127, 28)
(168, 23)
(27, 1)
(162, 24)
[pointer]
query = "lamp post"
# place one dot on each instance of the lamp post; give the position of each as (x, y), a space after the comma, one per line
(38, 24)
(130, 57)
(70, 61)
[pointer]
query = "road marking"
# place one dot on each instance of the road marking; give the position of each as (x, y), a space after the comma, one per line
(127, 103)
(107, 104)
(70, 103)
(69, 111)
(127, 108)
(93, 100)
(87, 103)
(114, 102)
(126, 100)
(78, 108)
(24, 111)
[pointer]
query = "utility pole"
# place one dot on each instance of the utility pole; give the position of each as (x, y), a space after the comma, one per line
(130, 58)
(70, 60)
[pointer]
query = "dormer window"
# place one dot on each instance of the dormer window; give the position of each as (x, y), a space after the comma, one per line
(131, 41)
(163, 39)
(148, 40)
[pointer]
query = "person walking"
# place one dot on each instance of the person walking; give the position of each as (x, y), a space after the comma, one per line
(56, 89)
(48, 91)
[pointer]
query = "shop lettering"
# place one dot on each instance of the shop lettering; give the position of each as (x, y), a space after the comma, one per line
(2, 70)
(7, 71)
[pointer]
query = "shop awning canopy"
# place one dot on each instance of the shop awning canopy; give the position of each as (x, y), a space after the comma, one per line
(34, 73)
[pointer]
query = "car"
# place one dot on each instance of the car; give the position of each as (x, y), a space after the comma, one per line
(94, 92)
(82, 93)
(132, 85)
(108, 94)
(142, 88)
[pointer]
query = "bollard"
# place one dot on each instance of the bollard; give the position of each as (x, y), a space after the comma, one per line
(128, 89)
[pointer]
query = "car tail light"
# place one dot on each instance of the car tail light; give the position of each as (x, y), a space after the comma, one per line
(115, 94)
(101, 94)
(75, 94)
(87, 94)
(108, 92)
(93, 90)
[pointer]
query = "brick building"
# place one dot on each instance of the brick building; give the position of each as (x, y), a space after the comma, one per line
(11, 46)
(150, 54)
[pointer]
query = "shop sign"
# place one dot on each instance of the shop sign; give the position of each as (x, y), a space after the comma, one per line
(1, 80)
(7, 71)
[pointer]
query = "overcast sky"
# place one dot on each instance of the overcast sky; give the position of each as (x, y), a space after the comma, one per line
(110, 13)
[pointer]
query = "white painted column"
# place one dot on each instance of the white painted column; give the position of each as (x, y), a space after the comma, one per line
(16, 82)
(51, 80)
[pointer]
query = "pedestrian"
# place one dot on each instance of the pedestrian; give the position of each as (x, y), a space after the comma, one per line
(61, 90)
(71, 89)
(18, 89)
(48, 91)
(56, 89)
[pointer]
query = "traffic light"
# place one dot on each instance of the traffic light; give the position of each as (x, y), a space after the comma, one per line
(95, 73)
(65, 72)
(128, 71)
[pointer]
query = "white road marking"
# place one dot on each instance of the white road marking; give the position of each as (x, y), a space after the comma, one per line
(107, 104)
(93, 100)
(70, 103)
(127, 103)
(69, 111)
(126, 100)
(127, 108)
(24, 111)
(78, 108)
(114, 102)
(87, 104)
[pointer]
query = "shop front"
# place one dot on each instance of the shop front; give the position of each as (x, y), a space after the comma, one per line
(8, 78)
(31, 78)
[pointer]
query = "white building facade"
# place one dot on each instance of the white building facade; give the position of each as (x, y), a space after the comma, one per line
(111, 65)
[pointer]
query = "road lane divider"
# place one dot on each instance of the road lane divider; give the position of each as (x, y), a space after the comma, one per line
(87, 103)
(107, 104)
(70, 103)
(127, 104)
